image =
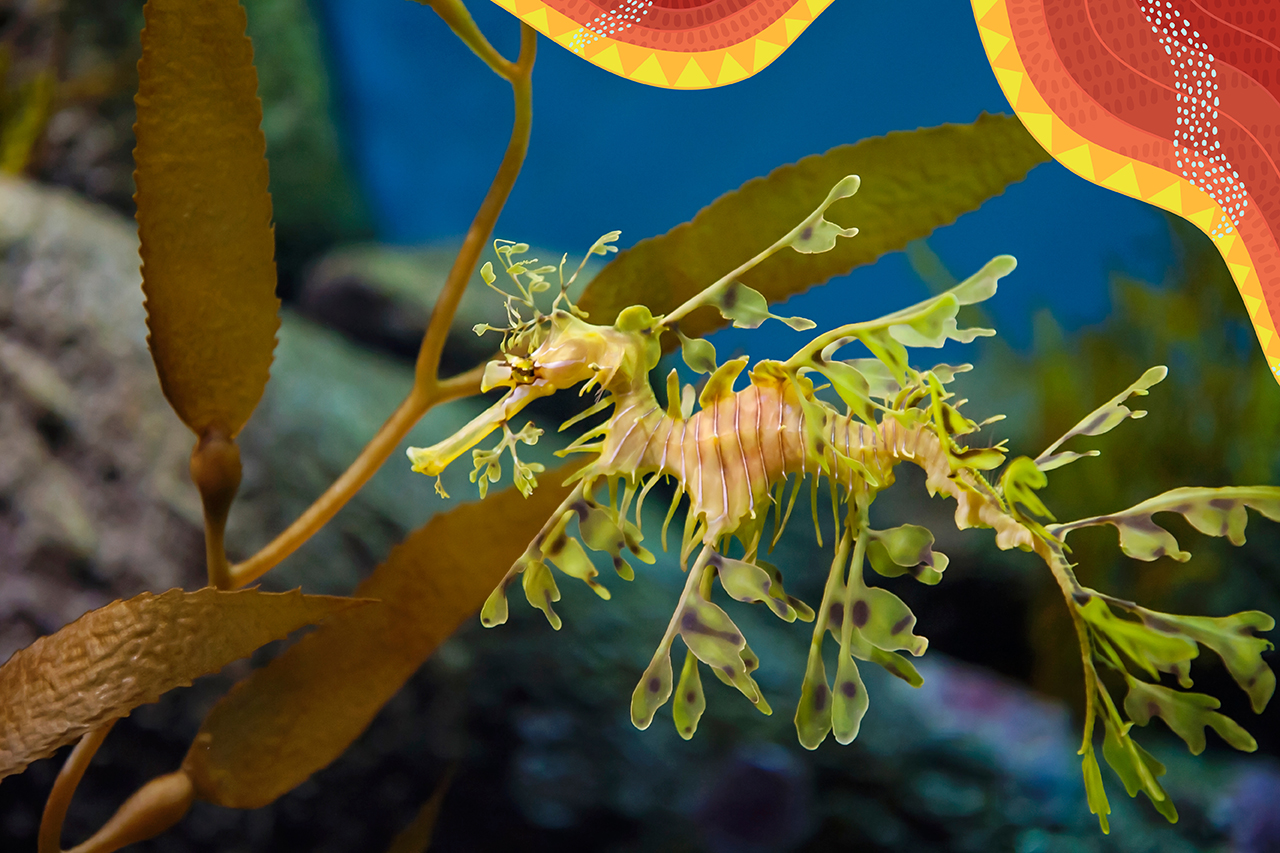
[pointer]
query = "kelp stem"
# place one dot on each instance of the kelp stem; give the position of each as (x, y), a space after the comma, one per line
(455, 14)
(482, 226)
(429, 390)
(64, 788)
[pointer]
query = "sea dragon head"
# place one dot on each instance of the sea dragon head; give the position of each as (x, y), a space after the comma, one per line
(542, 355)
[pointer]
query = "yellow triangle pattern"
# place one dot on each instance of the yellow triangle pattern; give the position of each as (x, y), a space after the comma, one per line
(1041, 127)
(702, 70)
(1170, 198)
(730, 71)
(767, 52)
(795, 28)
(993, 41)
(1202, 218)
(537, 19)
(692, 77)
(609, 59)
(649, 72)
(1077, 160)
(1011, 82)
(1125, 180)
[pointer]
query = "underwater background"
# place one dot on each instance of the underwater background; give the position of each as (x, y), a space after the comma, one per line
(383, 133)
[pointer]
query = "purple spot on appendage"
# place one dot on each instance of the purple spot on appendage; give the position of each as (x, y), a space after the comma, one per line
(849, 689)
(861, 613)
(901, 624)
(820, 697)
(655, 684)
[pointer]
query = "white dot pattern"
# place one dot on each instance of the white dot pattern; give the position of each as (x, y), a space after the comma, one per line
(608, 23)
(1198, 150)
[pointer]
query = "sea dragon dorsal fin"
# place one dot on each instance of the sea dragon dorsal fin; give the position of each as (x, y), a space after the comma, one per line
(720, 384)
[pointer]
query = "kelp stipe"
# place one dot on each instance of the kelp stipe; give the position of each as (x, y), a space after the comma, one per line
(733, 458)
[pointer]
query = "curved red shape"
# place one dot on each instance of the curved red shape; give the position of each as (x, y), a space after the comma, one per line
(1176, 102)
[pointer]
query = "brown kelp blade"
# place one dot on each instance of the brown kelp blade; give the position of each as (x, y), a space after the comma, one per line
(301, 711)
(204, 213)
(912, 183)
(115, 658)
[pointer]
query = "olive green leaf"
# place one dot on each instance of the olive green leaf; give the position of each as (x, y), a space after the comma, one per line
(653, 689)
(1217, 512)
(750, 583)
(747, 308)
(906, 550)
(912, 183)
(851, 384)
(880, 382)
(813, 711)
(1186, 713)
(300, 712)
(849, 701)
(803, 611)
(204, 213)
(863, 648)
(540, 590)
(1094, 792)
(699, 354)
(1152, 649)
(1101, 420)
(113, 659)
(1019, 483)
(603, 530)
(1136, 767)
(1232, 637)
(711, 635)
(567, 555)
(689, 703)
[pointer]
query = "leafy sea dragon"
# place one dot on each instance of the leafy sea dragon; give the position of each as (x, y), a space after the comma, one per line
(734, 456)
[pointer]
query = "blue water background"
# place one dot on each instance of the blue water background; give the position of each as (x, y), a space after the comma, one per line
(427, 124)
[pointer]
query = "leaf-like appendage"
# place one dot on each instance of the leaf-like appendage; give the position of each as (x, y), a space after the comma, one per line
(689, 703)
(540, 590)
(747, 308)
(751, 583)
(853, 387)
(1136, 768)
(1152, 649)
(803, 611)
(569, 557)
(301, 711)
(204, 213)
(711, 635)
(1217, 512)
(906, 550)
(1101, 420)
(1232, 637)
(1186, 713)
(923, 179)
(113, 659)
(1094, 792)
(653, 690)
(813, 711)
(1019, 483)
(699, 354)
(848, 702)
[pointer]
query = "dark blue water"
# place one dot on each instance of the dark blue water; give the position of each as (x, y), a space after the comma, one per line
(428, 123)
